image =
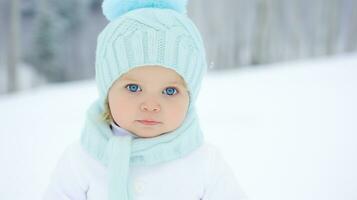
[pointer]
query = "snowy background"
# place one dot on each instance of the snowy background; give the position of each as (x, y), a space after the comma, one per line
(288, 130)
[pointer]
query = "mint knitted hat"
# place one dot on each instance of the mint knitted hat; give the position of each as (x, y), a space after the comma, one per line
(157, 35)
(143, 32)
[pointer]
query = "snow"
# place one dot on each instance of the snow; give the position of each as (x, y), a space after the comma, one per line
(27, 77)
(288, 130)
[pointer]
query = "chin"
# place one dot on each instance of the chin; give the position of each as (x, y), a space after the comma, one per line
(152, 135)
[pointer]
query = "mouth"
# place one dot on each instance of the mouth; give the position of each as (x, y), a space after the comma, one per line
(148, 122)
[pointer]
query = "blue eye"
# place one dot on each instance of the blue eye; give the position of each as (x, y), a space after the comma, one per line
(170, 91)
(133, 87)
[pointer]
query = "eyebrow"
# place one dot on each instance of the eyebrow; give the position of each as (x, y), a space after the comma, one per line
(171, 82)
(128, 79)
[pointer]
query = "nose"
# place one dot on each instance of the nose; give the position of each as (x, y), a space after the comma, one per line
(150, 106)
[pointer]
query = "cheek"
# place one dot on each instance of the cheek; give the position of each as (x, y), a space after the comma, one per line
(121, 108)
(179, 112)
(180, 115)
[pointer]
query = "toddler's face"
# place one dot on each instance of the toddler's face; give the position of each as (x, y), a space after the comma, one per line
(146, 94)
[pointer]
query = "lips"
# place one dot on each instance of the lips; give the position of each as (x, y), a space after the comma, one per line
(148, 122)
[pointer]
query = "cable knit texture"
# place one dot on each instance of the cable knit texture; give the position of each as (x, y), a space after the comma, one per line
(150, 36)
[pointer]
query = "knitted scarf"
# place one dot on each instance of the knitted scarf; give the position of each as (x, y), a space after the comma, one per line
(119, 152)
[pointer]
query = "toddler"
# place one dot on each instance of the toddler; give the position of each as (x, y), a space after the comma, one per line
(141, 139)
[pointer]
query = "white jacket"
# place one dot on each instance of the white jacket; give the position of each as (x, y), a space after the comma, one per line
(202, 175)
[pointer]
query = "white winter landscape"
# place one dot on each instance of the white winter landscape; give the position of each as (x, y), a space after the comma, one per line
(288, 130)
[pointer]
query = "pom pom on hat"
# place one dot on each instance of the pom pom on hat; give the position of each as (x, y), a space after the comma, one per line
(114, 8)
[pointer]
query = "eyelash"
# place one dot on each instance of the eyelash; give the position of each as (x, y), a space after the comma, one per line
(128, 85)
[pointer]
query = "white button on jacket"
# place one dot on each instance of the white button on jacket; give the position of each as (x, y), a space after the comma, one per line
(202, 175)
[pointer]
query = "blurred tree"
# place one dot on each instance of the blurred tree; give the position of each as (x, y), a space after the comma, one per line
(13, 46)
(57, 38)
(70, 16)
(45, 54)
(95, 5)
(245, 33)
(70, 12)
